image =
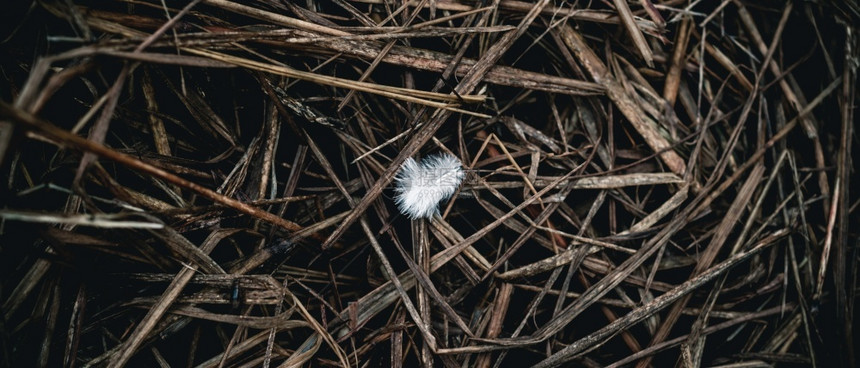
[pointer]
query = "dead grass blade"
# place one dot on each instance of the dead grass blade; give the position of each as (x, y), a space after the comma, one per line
(640, 189)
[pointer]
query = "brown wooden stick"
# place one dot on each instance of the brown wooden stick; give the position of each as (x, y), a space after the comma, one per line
(673, 77)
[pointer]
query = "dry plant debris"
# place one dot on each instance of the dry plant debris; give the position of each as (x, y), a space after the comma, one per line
(211, 183)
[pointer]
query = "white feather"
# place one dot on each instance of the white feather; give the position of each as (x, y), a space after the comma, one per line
(420, 187)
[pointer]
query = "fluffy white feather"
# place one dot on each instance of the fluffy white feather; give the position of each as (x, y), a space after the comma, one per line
(421, 186)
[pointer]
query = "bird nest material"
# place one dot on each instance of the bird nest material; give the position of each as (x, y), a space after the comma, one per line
(214, 183)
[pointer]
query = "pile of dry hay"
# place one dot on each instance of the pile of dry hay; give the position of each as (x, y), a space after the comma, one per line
(210, 183)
